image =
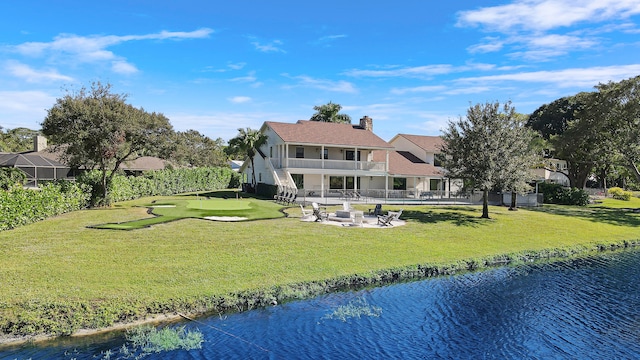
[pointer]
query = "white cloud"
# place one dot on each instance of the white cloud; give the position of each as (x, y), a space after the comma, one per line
(31, 75)
(418, 89)
(239, 99)
(327, 40)
(273, 46)
(418, 72)
(224, 125)
(491, 44)
(426, 71)
(250, 77)
(123, 67)
(322, 84)
(566, 78)
(24, 108)
(91, 49)
(543, 15)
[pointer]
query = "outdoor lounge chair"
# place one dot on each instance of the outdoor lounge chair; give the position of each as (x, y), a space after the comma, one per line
(377, 211)
(318, 213)
(385, 220)
(305, 213)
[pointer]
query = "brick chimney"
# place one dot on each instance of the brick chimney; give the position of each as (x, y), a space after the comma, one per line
(366, 123)
(39, 143)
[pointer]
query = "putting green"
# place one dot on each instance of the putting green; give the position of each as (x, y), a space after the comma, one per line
(219, 204)
(209, 209)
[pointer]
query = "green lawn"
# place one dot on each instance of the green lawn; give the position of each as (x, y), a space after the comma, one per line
(198, 207)
(59, 270)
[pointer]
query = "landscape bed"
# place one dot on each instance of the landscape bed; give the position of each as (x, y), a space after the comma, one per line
(60, 276)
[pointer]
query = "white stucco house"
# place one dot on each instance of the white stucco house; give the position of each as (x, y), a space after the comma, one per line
(552, 171)
(332, 160)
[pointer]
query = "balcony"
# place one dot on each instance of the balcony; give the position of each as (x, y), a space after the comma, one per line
(330, 164)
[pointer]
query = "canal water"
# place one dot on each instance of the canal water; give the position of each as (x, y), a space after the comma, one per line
(587, 308)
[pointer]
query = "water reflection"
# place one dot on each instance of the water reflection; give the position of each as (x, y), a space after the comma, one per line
(584, 309)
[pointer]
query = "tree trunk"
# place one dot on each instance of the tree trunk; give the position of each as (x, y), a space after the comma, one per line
(253, 174)
(485, 204)
(514, 201)
(634, 169)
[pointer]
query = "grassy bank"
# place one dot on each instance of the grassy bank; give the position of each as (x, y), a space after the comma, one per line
(58, 276)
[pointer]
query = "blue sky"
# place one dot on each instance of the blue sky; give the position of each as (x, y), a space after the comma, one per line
(215, 66)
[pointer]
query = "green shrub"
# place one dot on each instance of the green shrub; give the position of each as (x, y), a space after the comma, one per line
(557, 194)
(620, 194)
(20, 206)
(10, 177)
(158, 182)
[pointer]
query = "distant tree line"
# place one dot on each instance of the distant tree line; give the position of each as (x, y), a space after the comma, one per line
(597, 133)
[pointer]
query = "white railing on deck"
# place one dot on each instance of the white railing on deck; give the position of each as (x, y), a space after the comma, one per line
(331, 164)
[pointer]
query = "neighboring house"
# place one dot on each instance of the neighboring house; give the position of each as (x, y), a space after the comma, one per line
(42, 164)
(331, 159)
(553, 172)
(235, 165)
(144, 163)
(37, 167)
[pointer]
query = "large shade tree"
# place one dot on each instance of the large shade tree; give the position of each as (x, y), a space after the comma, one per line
(96, 129)
(488, 148)
(191, 148)
(246, 144)
(572, 127)
(617, 106)
(330, 112)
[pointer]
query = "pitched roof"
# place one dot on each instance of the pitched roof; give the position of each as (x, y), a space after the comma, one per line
(427, 143)
(28, 161)
(403, 163)
(144, 163)
(324, 133)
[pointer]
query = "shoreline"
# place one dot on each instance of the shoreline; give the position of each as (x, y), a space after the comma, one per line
(260, 298)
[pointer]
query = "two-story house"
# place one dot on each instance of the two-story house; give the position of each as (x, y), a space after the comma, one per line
(331, 159)
(324, 159)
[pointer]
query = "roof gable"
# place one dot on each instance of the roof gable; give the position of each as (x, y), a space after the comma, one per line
(324, 133)
(431, 144)
(402, 163)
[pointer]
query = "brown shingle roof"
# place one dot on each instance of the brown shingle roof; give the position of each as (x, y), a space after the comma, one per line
(401, 164)
(144, 163)
(324, 133)
(428, 143)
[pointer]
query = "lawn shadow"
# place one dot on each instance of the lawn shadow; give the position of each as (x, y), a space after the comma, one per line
(621, 217)
(450, 214)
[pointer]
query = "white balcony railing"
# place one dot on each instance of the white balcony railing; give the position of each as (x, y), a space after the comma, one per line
(330, 164)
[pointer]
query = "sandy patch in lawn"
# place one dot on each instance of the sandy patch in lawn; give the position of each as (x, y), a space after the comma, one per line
(225, 218)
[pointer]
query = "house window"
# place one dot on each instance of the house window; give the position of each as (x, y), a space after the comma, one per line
(350, 155)
(326, 154)
(260, 177)
(435, 184)
(438, 159)
(300, 152)
(399, 183)
(336, 182)
(270, 151)
(349, 182)
(298, 179)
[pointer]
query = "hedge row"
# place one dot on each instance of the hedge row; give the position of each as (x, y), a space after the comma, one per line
(20, 207)
(161, 182)
(557, 194)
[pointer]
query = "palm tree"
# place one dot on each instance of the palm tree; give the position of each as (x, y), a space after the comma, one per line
(330, 113)
(246, 144)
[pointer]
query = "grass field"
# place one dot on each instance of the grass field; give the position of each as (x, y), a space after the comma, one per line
(58, 275)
